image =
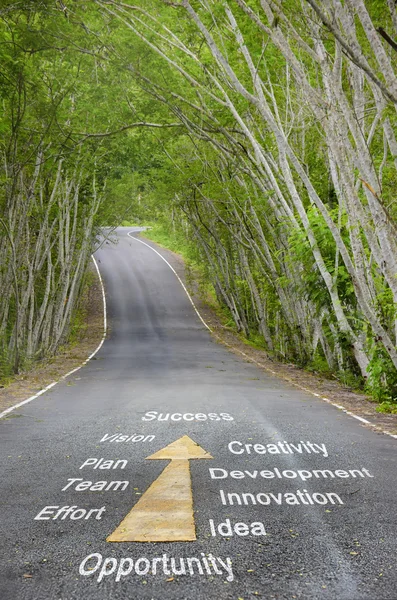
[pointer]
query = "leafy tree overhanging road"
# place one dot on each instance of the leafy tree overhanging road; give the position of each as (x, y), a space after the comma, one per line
(261, 137)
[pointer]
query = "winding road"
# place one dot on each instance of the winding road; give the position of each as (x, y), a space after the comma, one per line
(254, 489)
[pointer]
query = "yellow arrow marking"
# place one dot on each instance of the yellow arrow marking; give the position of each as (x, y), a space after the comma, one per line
(165, 511)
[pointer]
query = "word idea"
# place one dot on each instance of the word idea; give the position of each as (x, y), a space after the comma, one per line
(226, 529)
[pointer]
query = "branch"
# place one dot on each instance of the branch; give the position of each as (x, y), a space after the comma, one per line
(356, 59)
(131, 126)
(386, 37)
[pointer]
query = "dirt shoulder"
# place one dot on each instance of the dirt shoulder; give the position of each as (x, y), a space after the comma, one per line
(333, 391)
(68, 358)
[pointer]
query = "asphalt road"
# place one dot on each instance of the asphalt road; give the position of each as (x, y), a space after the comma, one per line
(313, 510)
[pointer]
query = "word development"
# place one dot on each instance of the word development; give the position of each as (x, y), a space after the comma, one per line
(303, 474)
(161, 565)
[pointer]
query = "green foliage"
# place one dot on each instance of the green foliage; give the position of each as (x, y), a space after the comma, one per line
(165, 235)
(387, 407)
(78, 321)
(256, 341)
(196, 270)
(6, 370)
(75, 82)
(382, 376)
(319, 364)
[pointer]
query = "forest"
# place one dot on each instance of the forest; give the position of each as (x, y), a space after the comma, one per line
(259, 135)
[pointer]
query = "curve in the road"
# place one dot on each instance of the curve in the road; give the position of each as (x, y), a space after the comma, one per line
(261, 365)
(293, 499)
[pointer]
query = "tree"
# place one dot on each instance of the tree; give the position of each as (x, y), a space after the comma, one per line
(300, 112)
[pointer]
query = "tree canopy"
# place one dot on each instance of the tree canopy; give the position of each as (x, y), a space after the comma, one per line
(262, 133)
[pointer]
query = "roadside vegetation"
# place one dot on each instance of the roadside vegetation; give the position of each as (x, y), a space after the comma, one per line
(259, 136)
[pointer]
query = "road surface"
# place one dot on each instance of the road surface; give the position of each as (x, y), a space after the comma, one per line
(255, 489)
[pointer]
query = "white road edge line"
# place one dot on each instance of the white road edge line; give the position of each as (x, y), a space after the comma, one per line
(176, 275)
(51, 385)
(252, 359)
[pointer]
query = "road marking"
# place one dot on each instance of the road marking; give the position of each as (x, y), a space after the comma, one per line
(69, 512)
(176, 275)
(237, 447)
(165, 511)
(163, 566)
(162, 417)
(259, 364)
(51, 385)
(121, 437)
